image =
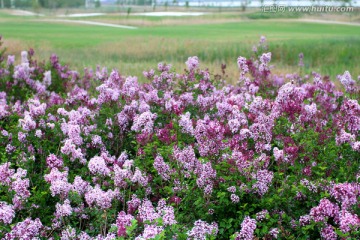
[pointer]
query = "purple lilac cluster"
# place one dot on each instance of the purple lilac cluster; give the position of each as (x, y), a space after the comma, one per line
(100, 155)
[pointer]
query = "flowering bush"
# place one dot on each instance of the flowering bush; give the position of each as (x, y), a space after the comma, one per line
(182, 156)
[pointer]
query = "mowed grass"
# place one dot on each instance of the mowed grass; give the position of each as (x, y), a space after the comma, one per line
(328, 48)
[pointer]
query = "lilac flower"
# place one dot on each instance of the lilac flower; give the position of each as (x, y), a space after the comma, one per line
(144, 122)
(7, 213)
(147, 211)
(53, 161)
(123, 220)
(311, 109)
(97, 165)
(348, 221)
(166, 212)
(27, 229)
(328, 233)
(234, 198)
(70, 149)
(10, 60)
(24, 57)
(347, 81)
(192, 63)
(58, 181)
(80, 186)
(324, 210)
(274, 232)
(138, 177)
(248, 227)
(27, 123)
(162, 168)
(278, 154)
(264, 59)
(63, 210)
(186, 124)
(344, 137)
(260, 216)
(130, 87)
(47, 78)
(264, 178)
(133, 204)
(96, 196)
(202, 229)
(301, 60)
(6, 173)
(232, 189)
(38, 133)
(205, 174)
(345, 193)
(68, 233)
(186, 157)
(150, 232)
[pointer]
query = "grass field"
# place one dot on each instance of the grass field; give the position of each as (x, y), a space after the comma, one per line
(328, 48)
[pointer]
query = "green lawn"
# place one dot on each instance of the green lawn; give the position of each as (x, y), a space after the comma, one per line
(329, 49)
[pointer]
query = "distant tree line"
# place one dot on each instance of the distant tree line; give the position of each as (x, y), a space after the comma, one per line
(43, 3)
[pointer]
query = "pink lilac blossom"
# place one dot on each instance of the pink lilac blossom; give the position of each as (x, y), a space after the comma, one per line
(347, 81)
(264, 61)
(248, 227)
(192, 63)
(27, 229)
(348, 221)
(166, 212)
(232, 189)
(260, 216)
(202, 230)
(328, 233)
(234, 198)
(130, 87)
(345, 193)
(63, 210)
(96, 196)
(97, 165)
(138, 177)
(147, 211)
(344, 137)
(36, 108)
(186, 124)
(80, 186)
(70, 149)
(186, 157)
(144, 122)
(150, 232)
(7, 213)
(47, 78)
(10, 60)
(53, 161)
(133, 204)
(27, 123)
(324, 210)
(123, 220)
(68, 234)
(162, 168)
(274, 232)
(6, 173)
(264, 178)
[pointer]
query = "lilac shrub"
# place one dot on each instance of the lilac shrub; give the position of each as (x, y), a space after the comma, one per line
(97, 155)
